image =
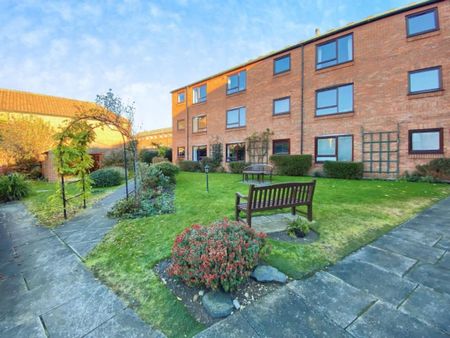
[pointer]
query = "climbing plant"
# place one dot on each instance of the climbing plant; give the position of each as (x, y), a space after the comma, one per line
(257, 146)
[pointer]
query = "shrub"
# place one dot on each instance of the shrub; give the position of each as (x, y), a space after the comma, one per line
(158, 159)
(298, 228)
(213, 165)
(221, 255)
(292, 165)
(152, 178)
(349, 170)
(168, 169)
(192, 166)
(439, 169)
(238, 166)
(147, 156)
(14, 187)
(125, 208)
(106, 177)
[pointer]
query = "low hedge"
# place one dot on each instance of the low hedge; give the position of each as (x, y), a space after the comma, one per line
(168, 169)
(238, 166)
(14, 187)
(292, 165)
(192, 166)
(349, 170)
(106, 177)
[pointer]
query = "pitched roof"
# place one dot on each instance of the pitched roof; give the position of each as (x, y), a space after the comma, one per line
(25, 102)
(154, 132)
(348, 26)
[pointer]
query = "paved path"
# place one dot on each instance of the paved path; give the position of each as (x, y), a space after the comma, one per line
(398, 286)
(45, 290)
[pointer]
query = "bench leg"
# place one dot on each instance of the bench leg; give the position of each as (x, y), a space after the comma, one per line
(249, 218)
(293, 210)
(310, 213)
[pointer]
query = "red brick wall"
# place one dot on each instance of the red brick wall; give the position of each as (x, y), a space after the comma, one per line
(382, 57)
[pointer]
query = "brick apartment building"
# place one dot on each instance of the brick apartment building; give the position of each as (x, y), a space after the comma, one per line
(151, 138)
(372, 91)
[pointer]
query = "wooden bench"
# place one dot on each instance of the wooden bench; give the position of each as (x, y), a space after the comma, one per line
(276, 196)
(258, 170)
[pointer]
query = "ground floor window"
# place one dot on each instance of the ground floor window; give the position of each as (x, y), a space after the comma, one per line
(426, 141)
(235, 152)
(181, 152)
(334, 148)
(198, 153)
(281, 147)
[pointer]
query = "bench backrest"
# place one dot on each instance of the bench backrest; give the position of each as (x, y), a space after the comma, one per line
(266, 168)
(284, 194)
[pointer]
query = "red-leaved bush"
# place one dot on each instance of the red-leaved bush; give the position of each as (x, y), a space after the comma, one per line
(220, 255)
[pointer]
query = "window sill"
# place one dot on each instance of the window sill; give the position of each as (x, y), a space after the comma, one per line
(236, 128)
(335, 67)
(237, 93)
(281, 74)
(438, 153)
(199, 103)
(199, 132)
(336, 115)
(282, 115)
(412, 96)
(423, 35)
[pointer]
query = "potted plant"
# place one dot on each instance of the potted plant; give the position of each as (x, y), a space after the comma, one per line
(298, 228)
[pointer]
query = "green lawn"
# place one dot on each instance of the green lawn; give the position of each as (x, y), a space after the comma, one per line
(49, 210)
(348, 215)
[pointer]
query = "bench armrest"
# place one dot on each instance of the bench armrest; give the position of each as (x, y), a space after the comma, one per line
(239, 195)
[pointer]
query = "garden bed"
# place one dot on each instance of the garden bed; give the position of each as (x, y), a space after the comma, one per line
(246, 293)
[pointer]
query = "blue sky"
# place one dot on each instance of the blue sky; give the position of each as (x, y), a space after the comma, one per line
(144, 49)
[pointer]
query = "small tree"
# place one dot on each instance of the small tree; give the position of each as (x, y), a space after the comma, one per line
(24, 139)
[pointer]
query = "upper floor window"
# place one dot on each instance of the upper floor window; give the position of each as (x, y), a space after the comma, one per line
(199, 123)
(334, 52)
(237, 82)
(181, 152)
(334, 148)
(198, 153)
(282, 64)
(199, 94)
(181, 125)
(236, 152)
(426, 141)
(422, 22)
(180, 97)
(282, 106)
(334, 100)
(425, 80)
(281, 147)
(236, 117)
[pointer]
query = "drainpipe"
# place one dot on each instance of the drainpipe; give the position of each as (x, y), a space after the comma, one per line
(302, 112)
(187, 151)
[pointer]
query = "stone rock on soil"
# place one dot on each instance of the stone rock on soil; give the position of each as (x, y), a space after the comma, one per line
(218, 304)
(266, 273)
(236, 304)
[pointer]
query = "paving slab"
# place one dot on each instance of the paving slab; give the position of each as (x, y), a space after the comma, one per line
(82, 314)
(332, 296)
(382, 320)
(410, 249)
(386, 260)
(421, 236)
(444, 243)
(444, 262)
(382, 284)
(284, 314)
(235, 326)
(32, 328)
(432, 276)
(430, 307)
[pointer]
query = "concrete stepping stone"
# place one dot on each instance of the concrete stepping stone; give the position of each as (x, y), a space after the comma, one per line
(410, 249)
(330, 295)
(432, 276)
(218, 304)
(382, 320)
(382, 284)
(386, 260)
(267, 273)
(430, 307)
(284, 314)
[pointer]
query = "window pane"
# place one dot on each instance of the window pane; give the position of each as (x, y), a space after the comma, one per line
(233, 83)
(426, 141)
(180, 97)
(345, 46)
(236, 152)
(422, 23)
(283, 64)
(326, 146)
(327, 98)
(233, 116)
(326, 52)
(325, 158)
(326, 111)
(202, 123)
(203, 92)
(180, 124)
(242, 113)
(345, 98)
(281, 147)
(282, 106)
(345, 148)
(424, 80)
(242, 80)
